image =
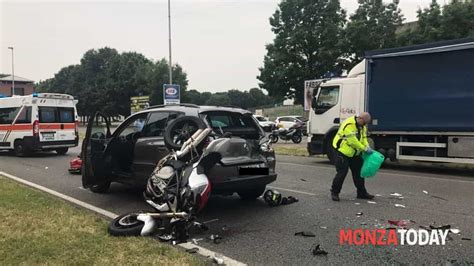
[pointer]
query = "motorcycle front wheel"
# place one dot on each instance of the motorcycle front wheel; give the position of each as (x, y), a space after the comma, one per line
(273, 139)
(126, 225)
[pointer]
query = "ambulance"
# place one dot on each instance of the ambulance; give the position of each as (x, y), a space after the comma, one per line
(38, 122)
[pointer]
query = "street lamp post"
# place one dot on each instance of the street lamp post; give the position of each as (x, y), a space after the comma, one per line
(169, 33)
(13, 72)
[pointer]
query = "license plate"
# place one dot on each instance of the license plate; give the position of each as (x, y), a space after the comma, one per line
(48, 136)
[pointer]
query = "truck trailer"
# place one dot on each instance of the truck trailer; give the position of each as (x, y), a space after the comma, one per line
(421, 99)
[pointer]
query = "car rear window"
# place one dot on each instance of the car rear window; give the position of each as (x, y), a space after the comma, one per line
(66, 115)
(48, 115)
(235, 123)
(56, 115)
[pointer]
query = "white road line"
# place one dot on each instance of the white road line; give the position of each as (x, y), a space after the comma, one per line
(202, 251)
(388, 172)
(291, 190)
(210, 221)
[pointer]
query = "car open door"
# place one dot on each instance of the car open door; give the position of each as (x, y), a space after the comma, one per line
(95, 171)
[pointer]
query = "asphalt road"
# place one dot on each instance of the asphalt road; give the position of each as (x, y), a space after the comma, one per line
(258, 234)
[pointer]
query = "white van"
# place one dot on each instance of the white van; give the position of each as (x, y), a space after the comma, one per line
(41, 121)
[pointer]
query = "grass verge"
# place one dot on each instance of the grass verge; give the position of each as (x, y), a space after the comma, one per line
(288, 150)
(37, 228)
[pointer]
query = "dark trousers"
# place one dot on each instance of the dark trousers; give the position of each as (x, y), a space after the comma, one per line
(343, 163)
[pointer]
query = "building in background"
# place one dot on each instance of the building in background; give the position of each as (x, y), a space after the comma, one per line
(23, 86)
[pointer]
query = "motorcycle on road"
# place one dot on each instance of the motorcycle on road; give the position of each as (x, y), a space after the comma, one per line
(294, 133)
(177, 189)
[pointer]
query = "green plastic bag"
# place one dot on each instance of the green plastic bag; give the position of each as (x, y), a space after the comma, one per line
(371, 164)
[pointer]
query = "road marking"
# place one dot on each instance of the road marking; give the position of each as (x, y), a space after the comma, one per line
(210, 221)
(201, 250)
(388, 172)
(291, 190)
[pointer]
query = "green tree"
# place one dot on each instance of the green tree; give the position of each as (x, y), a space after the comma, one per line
(105, 80)
(219, 99)
(372, 27)
(435, 23)
(309, 42)
(158, 75)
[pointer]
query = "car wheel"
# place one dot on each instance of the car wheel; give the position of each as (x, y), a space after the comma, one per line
(100, 188)
(19, 149)
(126, 225)
(62, 151)
(251, 194)
(180, 130)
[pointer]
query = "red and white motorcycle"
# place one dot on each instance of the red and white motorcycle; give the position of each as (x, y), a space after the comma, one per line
(178, 188)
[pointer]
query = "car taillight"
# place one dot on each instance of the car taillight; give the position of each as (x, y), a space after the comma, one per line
(36, 128)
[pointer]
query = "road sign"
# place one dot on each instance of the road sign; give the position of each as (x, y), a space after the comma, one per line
(139, 103)
(171, 94)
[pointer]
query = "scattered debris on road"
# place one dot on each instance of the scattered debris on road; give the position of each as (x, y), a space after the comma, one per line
(465, 238)
(218, 259)
(400, 206)
(274, 198)
(396, 195)
(438, 197)
(401, 223)
(317, 251)
(305, 233)
(302, 179)
(455, 231)
(359, 214)
(440, 227)
(426, 192)
(216, 239)
(357, 203)
(323, 227)
(371, 202)
(192, 250)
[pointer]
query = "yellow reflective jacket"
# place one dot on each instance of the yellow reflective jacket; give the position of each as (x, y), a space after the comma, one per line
(351, 140)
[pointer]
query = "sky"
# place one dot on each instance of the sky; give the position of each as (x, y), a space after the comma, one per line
(219, 43)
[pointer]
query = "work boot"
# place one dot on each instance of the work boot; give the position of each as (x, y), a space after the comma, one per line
(335, 196)
(365, 196)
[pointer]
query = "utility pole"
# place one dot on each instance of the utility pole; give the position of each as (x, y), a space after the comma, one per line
(169, 32)
(13, 72)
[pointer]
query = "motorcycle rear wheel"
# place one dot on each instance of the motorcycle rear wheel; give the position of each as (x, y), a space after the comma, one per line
(296, 138)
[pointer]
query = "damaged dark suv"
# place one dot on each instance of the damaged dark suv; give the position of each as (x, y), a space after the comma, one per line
(130, 154)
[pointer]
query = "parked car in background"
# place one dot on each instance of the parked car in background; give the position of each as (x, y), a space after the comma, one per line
(289, 121)
(266, 124)
(130, 154)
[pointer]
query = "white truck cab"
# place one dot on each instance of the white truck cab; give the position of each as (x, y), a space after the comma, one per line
(334, 100)
(41, 121)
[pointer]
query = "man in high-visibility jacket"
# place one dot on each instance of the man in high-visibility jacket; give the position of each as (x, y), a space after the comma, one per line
(350, 142)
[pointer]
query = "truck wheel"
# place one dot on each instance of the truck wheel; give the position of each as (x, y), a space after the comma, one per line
(62, 151)
(20, 149)
(251, 194)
